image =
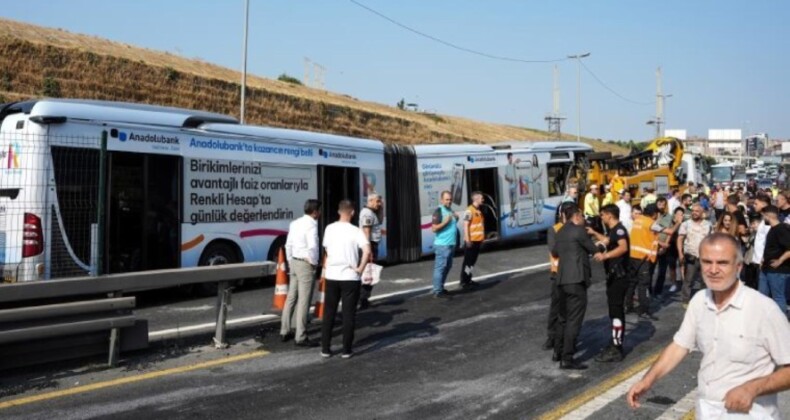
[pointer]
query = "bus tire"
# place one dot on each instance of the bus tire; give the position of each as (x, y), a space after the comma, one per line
(217, 253)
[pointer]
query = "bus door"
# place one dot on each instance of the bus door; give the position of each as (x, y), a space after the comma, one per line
(486, 181)
(336, 183)
(143, 212)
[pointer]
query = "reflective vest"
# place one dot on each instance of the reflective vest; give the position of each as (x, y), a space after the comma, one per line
(476, 228)
(554, 261)
(644, 242)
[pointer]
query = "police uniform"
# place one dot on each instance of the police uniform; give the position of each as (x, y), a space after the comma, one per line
(616, 286)
(474, 238)
(368, 218)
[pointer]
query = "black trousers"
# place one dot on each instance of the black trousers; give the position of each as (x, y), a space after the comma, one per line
(572, 304)
(554, 308)
(348, 292)
(471, 252)
(639, 283)
(615, 297)
(751, 275)
(367, 289)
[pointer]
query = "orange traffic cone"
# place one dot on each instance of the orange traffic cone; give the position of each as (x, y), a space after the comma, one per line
(319, 304)
(281, 283)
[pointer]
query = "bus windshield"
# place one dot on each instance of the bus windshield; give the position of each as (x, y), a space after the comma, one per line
(721, 174)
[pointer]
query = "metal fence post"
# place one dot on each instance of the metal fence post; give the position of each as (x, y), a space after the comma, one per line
(115, 339)
(223, 302)
(100, 219)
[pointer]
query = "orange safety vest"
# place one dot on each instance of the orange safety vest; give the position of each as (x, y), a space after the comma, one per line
(554, 261)
(644, 242)
(476, 228)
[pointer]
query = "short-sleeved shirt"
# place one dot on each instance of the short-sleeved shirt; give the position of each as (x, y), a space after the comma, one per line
(446, 236)
(776, 243)
(615, 234)
(342, 242)
(369, 218)
(694, 233)
(744, 340)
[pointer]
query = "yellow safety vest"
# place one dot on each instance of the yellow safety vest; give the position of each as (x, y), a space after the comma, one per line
(644, 241)
(554, 261)
(476, 228)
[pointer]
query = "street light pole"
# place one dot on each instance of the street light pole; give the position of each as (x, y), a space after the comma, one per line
(244, 58)
(578, 58)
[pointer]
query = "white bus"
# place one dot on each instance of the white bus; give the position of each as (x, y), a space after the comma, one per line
(187, 188)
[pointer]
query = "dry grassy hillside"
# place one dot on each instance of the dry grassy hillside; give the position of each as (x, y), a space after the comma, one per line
(36, 61)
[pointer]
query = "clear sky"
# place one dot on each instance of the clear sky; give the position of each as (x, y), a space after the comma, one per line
(725, 62)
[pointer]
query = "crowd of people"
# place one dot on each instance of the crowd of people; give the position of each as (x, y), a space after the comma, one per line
(730, 244)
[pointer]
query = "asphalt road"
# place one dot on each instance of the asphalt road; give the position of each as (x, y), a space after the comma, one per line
(476, 355)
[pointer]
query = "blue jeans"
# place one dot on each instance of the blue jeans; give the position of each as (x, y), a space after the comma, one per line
(442, 265)
(773, 285)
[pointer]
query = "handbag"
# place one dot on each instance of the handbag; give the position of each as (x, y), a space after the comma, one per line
(372, 274)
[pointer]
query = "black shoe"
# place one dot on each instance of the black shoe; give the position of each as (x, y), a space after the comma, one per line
(286, 337)
(630, 310)
(445, 291)
(648, 316)
(469, 285)
(572, 365)
(610, 354)
(556, 357)
(364, 304)
(548, 345)
(441, 295)
(306, 343)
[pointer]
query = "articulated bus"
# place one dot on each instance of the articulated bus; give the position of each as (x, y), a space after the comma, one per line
(186, 188)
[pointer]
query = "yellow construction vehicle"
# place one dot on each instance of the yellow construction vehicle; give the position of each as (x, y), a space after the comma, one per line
(657, 166)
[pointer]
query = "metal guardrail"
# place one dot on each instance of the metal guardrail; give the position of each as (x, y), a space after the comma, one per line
(114, 285)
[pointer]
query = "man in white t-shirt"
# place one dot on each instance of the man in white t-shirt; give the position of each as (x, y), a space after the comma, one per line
(370, 223)
(744, 339)
(343, 268)
(690, 235)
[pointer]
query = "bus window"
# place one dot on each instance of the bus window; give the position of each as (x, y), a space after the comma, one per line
(557, 174)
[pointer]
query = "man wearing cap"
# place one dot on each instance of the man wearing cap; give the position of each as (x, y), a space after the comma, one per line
(649, 198)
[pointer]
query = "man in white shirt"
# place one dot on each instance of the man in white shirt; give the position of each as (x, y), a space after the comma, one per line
(624, 204)
(342, 242)
(370, 223)
(674, 201)
(744, 338)
(690, 235)
(301, 251)
(752, 268)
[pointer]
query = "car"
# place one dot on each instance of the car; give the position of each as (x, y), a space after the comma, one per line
(764, 183)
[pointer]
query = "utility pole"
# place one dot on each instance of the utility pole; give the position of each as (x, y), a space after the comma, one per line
(578, 58)
(659, 120)
(307, 67)
(244, 59)
(555, 118)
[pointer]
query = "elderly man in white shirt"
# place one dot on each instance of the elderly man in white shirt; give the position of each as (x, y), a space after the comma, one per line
(745, 341)
(301, 251)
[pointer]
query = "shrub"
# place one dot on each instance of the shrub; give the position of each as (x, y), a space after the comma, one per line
(171, 74)
(51, 87)
(289, 79)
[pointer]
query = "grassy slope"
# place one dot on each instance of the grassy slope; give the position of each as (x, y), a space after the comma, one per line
(95, 68)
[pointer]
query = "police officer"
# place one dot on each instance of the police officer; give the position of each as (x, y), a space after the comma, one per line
(474, 233)
(615, 261)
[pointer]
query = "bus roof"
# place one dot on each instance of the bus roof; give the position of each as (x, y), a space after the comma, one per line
(451, 149)
(543, 146)
(294, 136)
(119, 112)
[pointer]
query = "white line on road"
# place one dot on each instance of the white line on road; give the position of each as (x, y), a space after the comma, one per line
(599, 402)
(257, 319)
(682, 407)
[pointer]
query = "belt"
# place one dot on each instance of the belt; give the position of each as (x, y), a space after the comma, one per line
(304, 260)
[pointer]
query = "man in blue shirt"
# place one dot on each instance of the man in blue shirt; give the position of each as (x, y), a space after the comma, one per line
(443, 225)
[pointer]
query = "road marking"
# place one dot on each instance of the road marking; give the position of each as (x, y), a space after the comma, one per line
(129, 379)
(257, 319)
(683, 409)
(600, 401)
(588, 395)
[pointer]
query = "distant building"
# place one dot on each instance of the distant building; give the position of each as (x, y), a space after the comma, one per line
(724, 142)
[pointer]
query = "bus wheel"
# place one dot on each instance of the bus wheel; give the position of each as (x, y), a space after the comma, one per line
(216, 254)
